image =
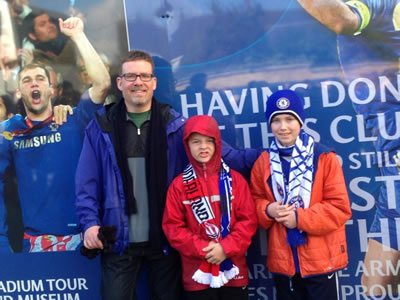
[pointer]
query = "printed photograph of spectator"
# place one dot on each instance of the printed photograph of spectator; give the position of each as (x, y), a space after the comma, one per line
(32, 145)
(49, 46)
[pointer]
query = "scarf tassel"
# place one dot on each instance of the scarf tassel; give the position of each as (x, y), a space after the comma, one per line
(215, 275)
(229, 269)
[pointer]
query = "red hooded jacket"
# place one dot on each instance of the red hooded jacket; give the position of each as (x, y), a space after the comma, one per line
(180, 225)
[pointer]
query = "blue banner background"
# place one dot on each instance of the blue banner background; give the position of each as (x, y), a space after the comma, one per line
(224, 58)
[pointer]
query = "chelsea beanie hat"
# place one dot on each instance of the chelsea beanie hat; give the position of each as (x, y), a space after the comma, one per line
(285, 102)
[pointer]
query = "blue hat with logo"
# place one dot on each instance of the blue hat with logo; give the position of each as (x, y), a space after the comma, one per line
(285, 102)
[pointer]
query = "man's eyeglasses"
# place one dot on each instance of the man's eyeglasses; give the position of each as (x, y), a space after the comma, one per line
(132, 77)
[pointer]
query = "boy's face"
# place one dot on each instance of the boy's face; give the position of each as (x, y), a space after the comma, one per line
(285, 128)
(201, 147)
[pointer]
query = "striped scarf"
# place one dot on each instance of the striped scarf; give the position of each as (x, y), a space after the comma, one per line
(213, 275)
(298, 188)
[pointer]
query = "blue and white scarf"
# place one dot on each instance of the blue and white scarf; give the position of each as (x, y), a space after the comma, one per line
(213, 275)
(298, 188)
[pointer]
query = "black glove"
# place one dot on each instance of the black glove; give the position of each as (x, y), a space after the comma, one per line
(107, 236)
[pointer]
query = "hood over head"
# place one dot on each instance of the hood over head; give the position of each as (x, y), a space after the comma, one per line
(208, 126)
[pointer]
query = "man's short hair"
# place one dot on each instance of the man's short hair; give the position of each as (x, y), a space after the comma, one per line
(11, 108)
(135, 55)
(34, 66)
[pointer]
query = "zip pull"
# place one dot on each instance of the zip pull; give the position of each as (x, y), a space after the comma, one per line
(205, 170)
(138, 131)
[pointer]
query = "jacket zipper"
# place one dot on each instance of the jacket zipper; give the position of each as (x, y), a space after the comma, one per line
(205, 171)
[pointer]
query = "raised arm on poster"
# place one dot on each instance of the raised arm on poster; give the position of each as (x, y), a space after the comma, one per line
(369, 36)
(73, 28)
(334, 14)
(45, 154)
(97, 72)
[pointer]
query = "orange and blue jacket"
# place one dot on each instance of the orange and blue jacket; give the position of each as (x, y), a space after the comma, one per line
(324, 220)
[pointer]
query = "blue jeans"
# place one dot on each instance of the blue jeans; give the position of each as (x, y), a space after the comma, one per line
(120, 273)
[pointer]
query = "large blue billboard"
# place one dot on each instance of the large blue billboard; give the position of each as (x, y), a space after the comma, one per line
(225, 58)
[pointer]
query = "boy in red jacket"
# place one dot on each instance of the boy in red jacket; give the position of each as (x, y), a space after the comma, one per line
(210, 217)
(301, 198)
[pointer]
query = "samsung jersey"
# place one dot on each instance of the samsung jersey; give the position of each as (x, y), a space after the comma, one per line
(45, 163)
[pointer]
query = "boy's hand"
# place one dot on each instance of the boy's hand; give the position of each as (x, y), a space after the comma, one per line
(274, 209)
(215, 253)
(287, 218)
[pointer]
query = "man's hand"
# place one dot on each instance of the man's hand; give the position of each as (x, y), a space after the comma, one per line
(91, 240)
(71, 27)
(60, 113)
(215, 253)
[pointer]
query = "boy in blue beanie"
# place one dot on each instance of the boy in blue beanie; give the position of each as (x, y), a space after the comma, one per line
(301, 198)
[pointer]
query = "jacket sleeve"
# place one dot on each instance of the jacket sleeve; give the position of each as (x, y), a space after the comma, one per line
(240, 160)
(87, 182)
(245, 220)
(261, 196)
(330, 209)
(177, 158)
(175, 225)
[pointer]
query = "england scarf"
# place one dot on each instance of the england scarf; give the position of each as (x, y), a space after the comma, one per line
(298, 188)
(213, 275)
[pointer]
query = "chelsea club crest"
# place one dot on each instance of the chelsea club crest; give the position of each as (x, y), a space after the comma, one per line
(53, 126)
(298, 201)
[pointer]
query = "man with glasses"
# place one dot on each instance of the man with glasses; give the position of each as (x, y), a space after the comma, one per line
(132, 151)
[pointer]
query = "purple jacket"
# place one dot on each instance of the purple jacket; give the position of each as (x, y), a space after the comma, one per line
(100, 196)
